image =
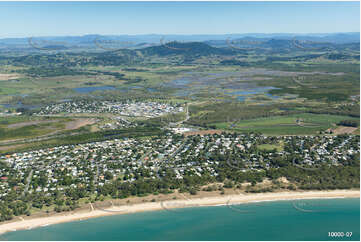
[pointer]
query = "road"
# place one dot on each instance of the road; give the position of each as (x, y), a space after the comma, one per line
(28, 180)
(187, 116)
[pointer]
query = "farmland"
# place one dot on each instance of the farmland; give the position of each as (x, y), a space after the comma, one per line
(304, 123)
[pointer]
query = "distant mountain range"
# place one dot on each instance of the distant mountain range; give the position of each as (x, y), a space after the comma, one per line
(157, 38)
(170, 42)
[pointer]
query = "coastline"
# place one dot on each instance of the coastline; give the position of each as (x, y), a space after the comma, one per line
(173, 204)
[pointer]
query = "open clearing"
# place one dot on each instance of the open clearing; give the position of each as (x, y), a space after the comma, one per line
(270, 147)
(78, 123)
(344, 130)
(5, 77)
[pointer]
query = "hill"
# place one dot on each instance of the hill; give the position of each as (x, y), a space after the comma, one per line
(189, 48)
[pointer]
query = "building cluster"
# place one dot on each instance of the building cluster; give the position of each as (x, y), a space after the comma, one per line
(94, 164)
(130, 108)
(118, 123)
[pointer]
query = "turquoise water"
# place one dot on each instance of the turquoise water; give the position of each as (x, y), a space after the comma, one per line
(281, 220)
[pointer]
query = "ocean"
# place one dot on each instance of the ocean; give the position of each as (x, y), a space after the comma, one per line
(314, 219)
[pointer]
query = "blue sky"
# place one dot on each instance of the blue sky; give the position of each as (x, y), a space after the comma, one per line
(24, 19)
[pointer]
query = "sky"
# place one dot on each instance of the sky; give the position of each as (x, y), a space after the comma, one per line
(25, 19)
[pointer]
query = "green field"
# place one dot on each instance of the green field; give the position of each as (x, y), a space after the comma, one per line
(286, 125)
(270, 147)
(20, 127)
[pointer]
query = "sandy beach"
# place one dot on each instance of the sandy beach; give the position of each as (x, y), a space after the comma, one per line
(30, 223)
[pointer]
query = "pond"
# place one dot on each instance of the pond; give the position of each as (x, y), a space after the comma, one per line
(93, 89)
(242, 94)
(19, 105)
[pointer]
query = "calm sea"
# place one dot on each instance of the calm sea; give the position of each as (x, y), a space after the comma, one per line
(281, 220)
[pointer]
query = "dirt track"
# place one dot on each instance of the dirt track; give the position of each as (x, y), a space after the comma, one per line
(203, 132)
(23, 124)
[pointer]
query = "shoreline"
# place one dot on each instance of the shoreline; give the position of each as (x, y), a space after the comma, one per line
(174, 204)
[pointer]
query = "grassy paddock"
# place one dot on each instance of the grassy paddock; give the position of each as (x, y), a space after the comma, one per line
(21, 127)
(270, 147)
(286, 125)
